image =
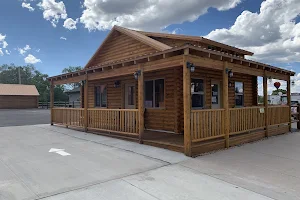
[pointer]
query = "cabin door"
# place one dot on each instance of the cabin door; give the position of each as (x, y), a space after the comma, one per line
(215, 94)
(130, 96)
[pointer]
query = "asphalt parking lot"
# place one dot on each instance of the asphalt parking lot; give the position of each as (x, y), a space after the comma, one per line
(21, 117)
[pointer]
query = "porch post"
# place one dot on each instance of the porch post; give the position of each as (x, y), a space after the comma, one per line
(86, 85)
(187, 106)
(225, 104)
(141, 102)
(265, 86)
(289, 102)
(51, 101)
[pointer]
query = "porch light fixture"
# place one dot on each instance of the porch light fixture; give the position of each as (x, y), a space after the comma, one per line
(137, 74)
(190, 66)
(82, 82)
(229, 72)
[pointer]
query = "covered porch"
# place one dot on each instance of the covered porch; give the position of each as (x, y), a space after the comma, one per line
(184, 120)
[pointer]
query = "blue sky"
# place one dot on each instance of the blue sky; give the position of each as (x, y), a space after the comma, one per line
(220, 21)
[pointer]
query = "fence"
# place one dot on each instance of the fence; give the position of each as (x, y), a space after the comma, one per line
(65, 104)
(68, 116)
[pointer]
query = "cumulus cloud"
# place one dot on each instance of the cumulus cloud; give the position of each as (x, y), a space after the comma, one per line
(30, 59)
(53, 11)
(272, 33)
(7, 52)
(1, 52)
(22, 51)
(152, 15)
(63, 38)
(28, 6)
(3, 43)
(70, 24)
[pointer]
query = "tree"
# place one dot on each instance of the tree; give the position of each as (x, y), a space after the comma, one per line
(275, 92)
(69, 70)
(9, 74)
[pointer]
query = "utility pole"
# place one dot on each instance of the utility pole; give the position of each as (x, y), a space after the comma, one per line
(19, 70)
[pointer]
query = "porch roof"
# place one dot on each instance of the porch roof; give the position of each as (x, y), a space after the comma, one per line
(195, 50)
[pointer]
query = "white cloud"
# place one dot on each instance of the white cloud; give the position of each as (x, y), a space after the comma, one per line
(2, 41)
(63, 38)
(177, 31)
(53, 11)
(1, 52)
(28, 6)
(38, 50)
(7, 52)
(272, 34)
(22, 51)
(70, 24)
(152, 15)
(30, 59)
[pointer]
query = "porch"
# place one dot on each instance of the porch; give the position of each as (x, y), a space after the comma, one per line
(207, 126)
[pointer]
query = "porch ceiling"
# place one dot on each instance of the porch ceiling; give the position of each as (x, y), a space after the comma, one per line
(128, 66)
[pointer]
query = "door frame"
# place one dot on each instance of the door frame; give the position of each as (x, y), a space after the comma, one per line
(219, 82)
(126, 106)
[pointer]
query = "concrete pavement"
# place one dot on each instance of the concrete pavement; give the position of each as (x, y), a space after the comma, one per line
(106, 168)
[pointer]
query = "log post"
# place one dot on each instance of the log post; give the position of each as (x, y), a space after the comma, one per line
(187, 105)
(86, 86)
(225, 104)
(289, 102)
(266, 104)
(51, 101)
(298, 116)
(141, 102)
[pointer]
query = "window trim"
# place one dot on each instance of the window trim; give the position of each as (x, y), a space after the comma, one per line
(235, 94)
(154, 79)
(204, 92)
(99, 85)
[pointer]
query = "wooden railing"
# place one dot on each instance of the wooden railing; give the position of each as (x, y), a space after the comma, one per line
(246, 119)
(207, 124)
(114, 120)
(68, 116)
(278, 115)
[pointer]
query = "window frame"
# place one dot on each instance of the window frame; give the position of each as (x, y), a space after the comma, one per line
(239, 94)
(100, 85)
(204, 92)
(153, 93)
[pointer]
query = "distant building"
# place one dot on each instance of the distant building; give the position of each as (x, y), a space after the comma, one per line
(282, 99)
(74, 97)
(17, 96)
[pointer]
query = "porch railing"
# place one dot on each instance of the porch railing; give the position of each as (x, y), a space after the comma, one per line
(68, 116)
(114, 120)
(207, 124)
(278, 115)
(246, 119)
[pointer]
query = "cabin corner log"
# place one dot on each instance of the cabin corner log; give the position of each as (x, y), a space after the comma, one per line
(266, 104)
(187, 108)
(141, 102)
(225, 104)
(289, 102)
(86, 86)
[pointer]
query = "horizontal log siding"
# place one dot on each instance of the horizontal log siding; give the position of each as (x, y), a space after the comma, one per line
(119, 47)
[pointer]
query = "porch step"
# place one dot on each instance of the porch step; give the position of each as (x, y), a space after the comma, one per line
(164, 145)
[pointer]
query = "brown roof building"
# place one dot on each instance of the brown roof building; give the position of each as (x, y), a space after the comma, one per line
(16, 96)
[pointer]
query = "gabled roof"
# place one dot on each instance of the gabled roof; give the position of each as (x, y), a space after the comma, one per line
(135, 35)
(75, 90)
(18, 90)
(197, 39)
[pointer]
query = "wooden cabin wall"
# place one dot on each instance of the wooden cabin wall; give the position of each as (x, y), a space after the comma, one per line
(119, 47)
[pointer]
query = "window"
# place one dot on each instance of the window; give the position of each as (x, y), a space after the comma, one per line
(239, 93)
(100, 96)
(197, 91)
(155, 93)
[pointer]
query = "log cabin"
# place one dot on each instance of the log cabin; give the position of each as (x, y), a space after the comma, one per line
(184, 93)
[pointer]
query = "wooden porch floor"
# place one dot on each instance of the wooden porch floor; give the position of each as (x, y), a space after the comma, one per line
(164, 140)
